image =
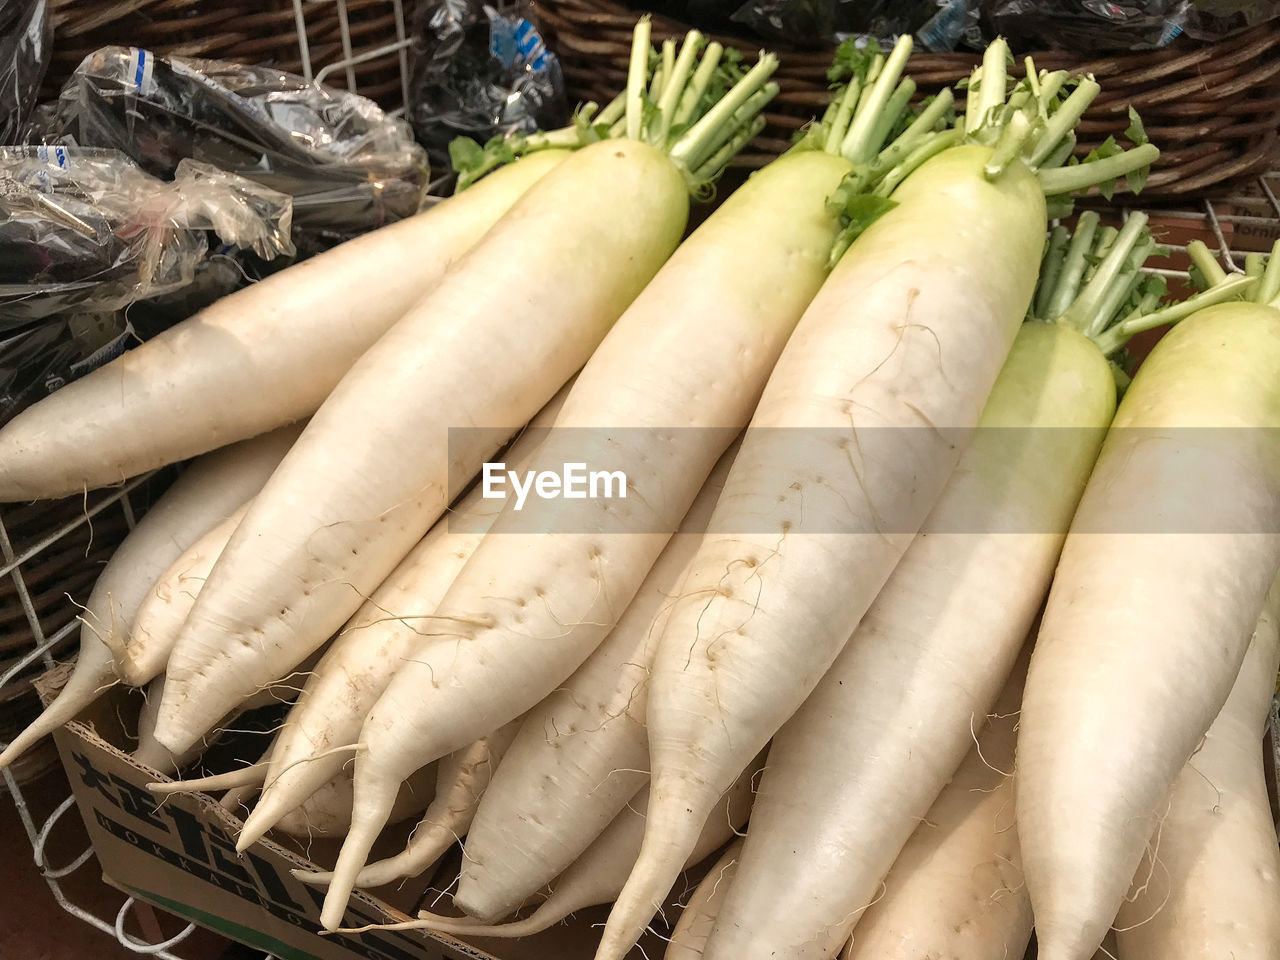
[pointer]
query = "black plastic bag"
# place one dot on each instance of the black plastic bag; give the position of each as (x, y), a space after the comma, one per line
(86, 234)
(480, 71)
(348, 167)
(25, 38)
(1087, 26)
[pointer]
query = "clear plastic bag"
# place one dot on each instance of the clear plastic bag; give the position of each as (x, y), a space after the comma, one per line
(25, 39)
(86, 234)
(480, 71)
(348, 167)
(87, 229)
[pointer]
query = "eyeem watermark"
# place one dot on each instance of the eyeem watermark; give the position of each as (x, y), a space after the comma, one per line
(573, 482)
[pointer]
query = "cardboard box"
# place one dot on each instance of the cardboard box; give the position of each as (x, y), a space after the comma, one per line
(179, 855)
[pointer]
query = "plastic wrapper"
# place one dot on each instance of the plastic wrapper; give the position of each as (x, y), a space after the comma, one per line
(85, 233)
(348, 167)
(810, 21)
(1087, 26)
(480, 71)
(1214, 19)
(25, 38)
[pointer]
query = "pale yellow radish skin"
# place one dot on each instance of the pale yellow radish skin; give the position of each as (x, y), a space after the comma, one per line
(956, 889)
(1150, 614)
(1214, 889)
(165, 608)
(903, 344)
(599, 873)
(461, 782)
(263, 357)
(660, 400)
(582, 753)
(207, 491)
(693, 929)
(359, 489)
(320, 733)
(865, 757)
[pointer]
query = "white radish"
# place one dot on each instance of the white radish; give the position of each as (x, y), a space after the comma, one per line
(907, 334)
(165, 609)
(582, 753)
(1214, 886)
(321, 730)
(660, 400)
(693, 929)
(866, 755)
(598, 875)
(860, 425)
(360, 488)
(206, 492)
(956, 889)
(461, 783)
(261, 358)
(1172, 550)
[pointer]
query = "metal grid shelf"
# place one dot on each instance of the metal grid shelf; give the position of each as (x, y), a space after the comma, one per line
(1248, 221)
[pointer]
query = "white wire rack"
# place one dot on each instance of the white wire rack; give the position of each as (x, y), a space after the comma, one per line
(1233, 227)
(47, 645)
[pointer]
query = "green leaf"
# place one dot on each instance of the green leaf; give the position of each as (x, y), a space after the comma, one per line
(1108, 148)
(1136, 132)
(465, 154)
(852, 60)
(1137, 179)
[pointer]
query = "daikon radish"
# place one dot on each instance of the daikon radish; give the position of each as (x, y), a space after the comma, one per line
(860, 425)
(208, 490)
(1214, 885)
(693, 929)
(1172, 551)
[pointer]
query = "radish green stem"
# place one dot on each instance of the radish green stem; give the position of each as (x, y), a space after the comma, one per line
(1061, 153)
(971, 100)
(1051, 83)
(844, 113)
(668, 68)
(994, 82)
(691, 150)
(637, 70)
(1007, 148)
(1101, 247)
(712, 167)
(701, 80)
(1269, 289)
(672, 93)
(857, 146)
(1109, 341)
(1254, 265)
(1074, 264)
(743, 118)
(1051, 271)
(930, 147)
(1084, 308)
(889, 115)
(1084, 175)
(1064, 118)
(614, 111)
(921, 127)
(1206, 263)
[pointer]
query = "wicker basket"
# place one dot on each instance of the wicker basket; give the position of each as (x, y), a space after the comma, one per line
(1213, 109)
(250, 31)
